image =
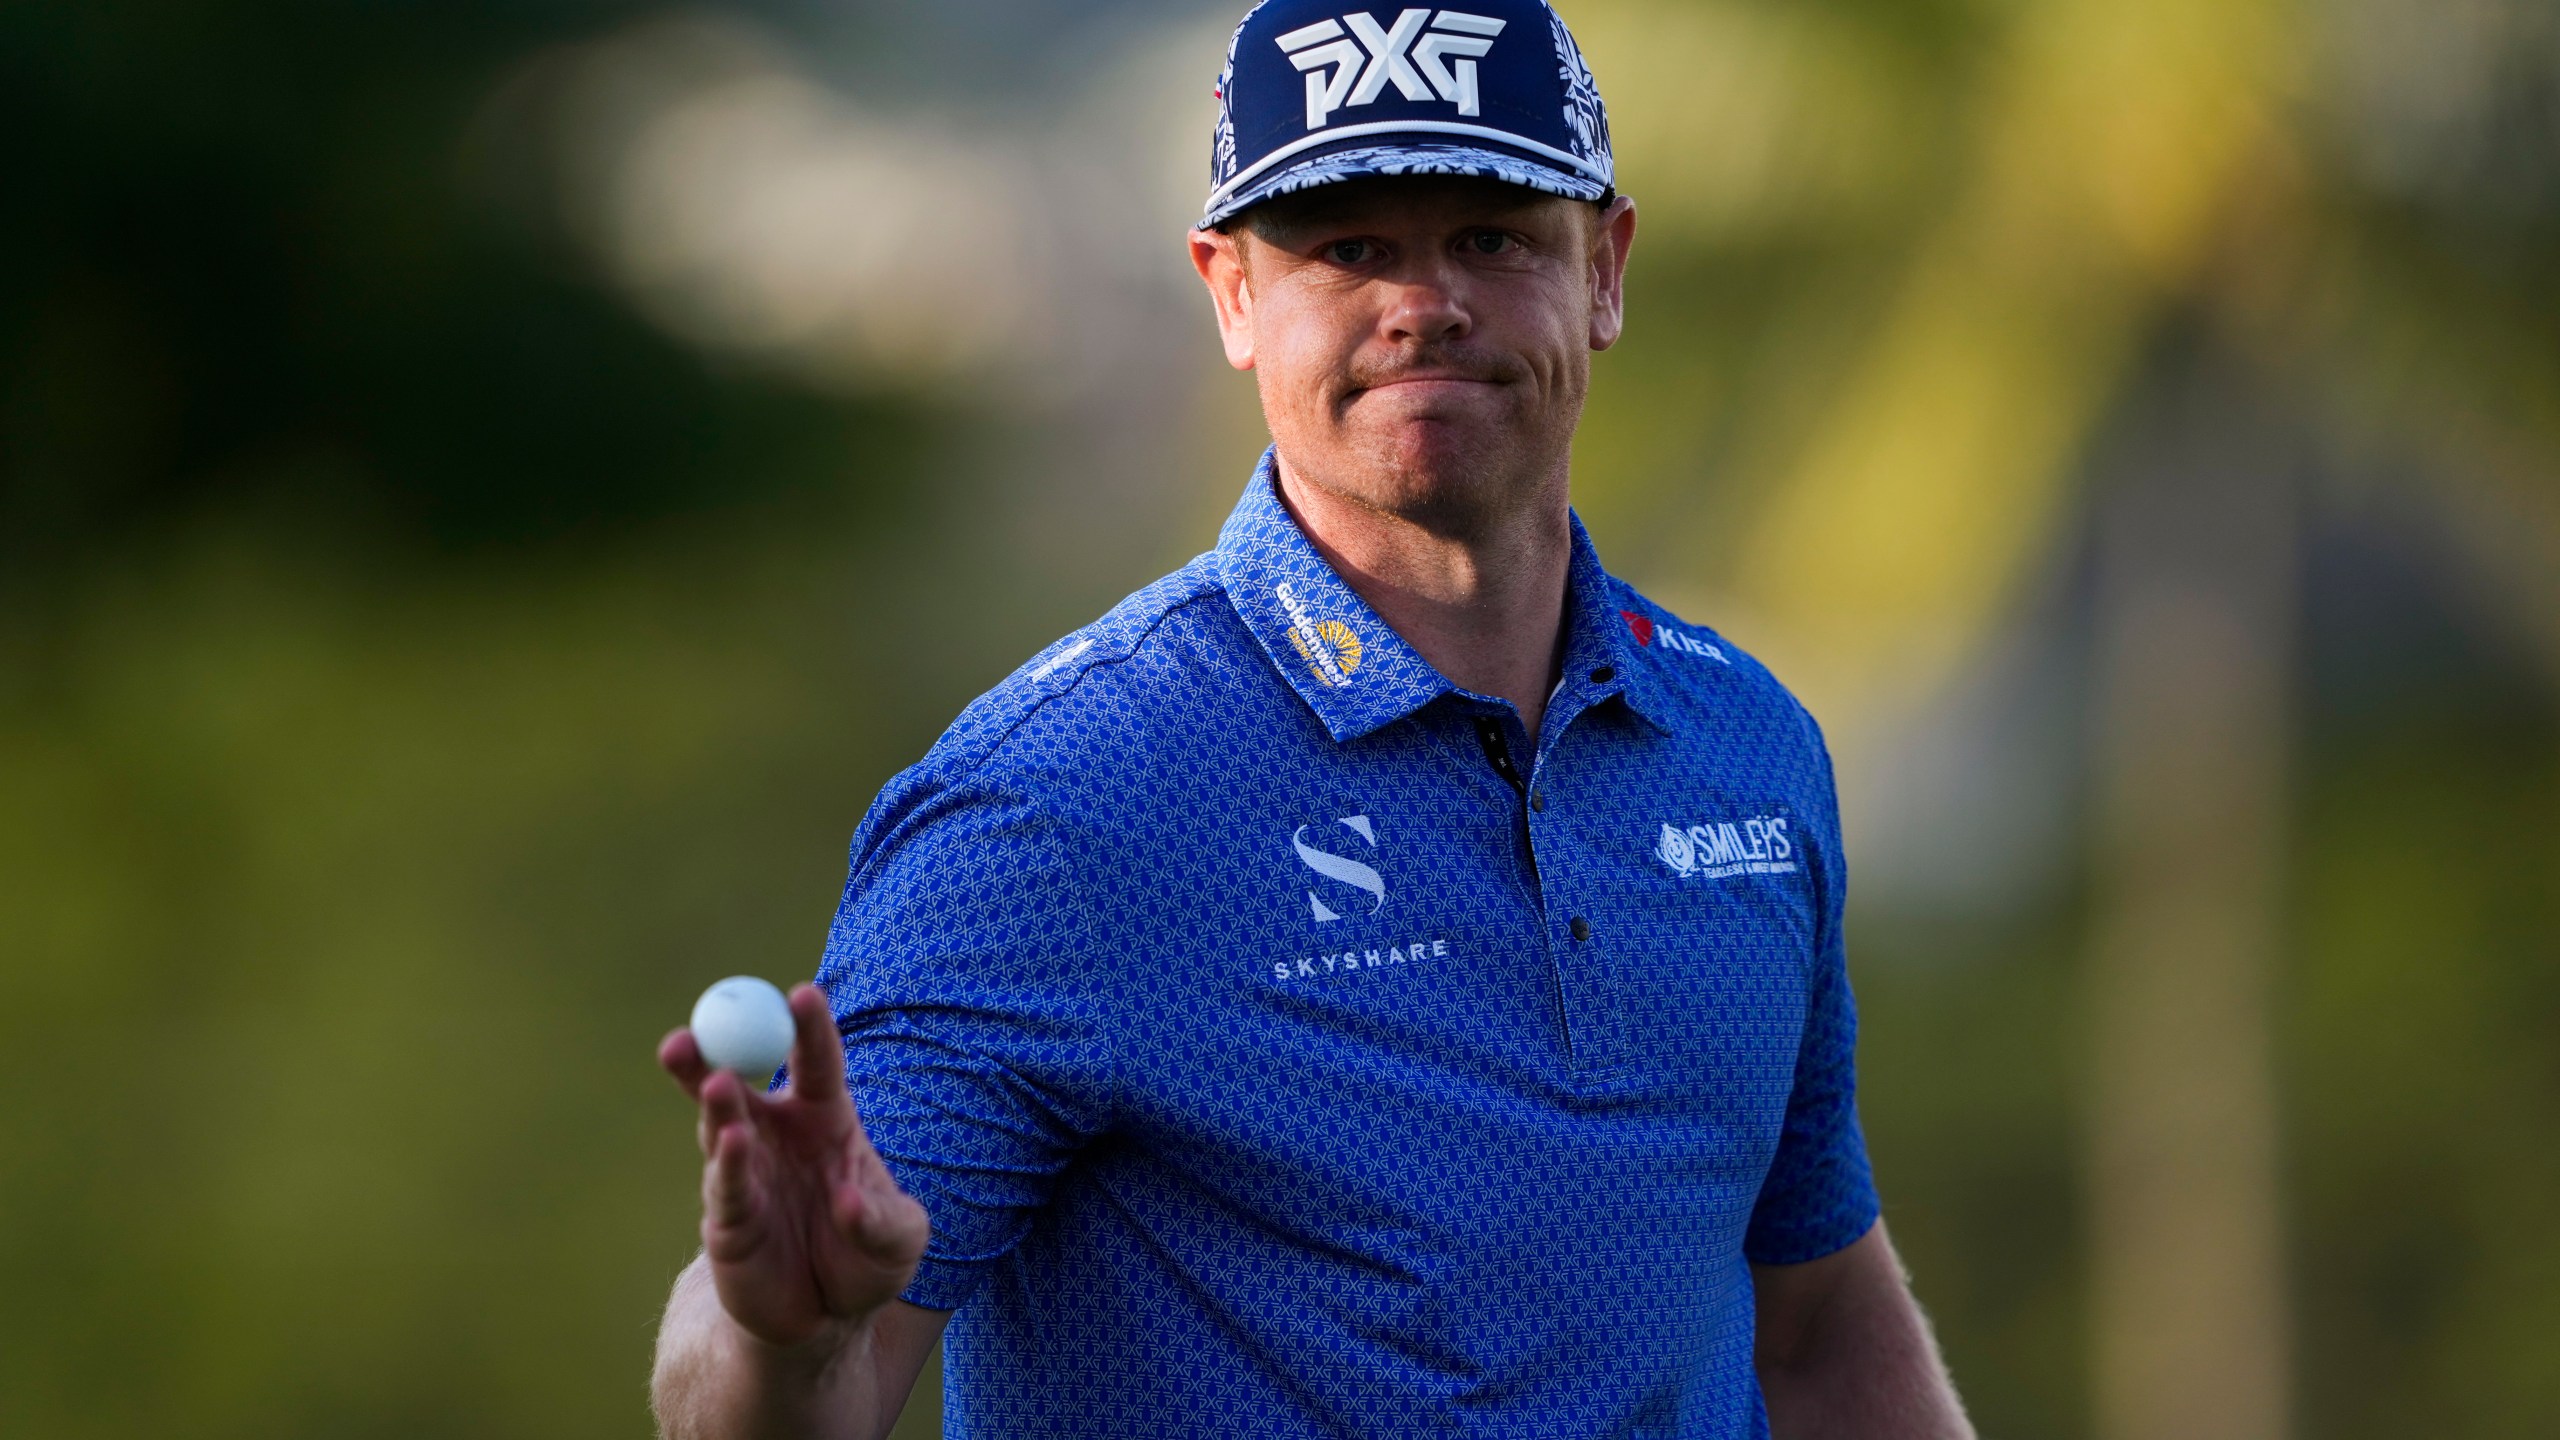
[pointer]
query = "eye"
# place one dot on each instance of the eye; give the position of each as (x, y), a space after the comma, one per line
(1350, 252)
(1488, 242)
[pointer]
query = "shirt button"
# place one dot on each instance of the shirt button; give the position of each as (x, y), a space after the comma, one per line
(1581, 928)
(1538, 800)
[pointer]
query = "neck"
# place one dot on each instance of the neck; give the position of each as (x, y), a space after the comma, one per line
(1485, 607)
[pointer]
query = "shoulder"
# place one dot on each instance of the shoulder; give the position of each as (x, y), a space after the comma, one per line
(1695, 662)
(1098, 681)
(1110, 699)
(1736, 719)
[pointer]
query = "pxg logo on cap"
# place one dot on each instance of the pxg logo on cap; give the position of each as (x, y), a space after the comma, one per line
(1316, 92)
(1341, 72)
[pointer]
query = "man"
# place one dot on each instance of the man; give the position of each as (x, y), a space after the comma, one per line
(1384, 978)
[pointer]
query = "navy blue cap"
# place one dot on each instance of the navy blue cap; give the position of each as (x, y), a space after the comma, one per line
(1314, 92)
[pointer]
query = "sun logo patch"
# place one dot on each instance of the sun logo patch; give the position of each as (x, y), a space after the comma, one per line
(1333, 642)
(1331, 649)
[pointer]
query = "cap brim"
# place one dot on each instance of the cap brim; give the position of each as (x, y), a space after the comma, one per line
(1359, 161)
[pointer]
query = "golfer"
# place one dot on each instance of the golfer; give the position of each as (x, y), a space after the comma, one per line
(1384, 978)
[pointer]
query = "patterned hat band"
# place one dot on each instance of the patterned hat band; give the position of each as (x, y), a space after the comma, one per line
(1313, 94)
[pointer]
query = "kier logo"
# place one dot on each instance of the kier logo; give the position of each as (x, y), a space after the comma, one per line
(1664, 637)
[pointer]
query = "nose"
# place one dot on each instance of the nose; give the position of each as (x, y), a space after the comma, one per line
(1424, 306)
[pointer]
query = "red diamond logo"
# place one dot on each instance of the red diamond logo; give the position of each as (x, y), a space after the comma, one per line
(1641, 625)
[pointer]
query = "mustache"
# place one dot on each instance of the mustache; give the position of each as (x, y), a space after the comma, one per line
(1439, 361)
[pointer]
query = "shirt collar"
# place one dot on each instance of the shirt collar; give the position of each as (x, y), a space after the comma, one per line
(1356, 673)
(1599, 661)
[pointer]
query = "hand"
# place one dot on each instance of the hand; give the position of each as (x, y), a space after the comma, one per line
(806, 1234)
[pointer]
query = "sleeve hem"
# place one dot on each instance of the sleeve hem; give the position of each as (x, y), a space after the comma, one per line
(945, 1284)
(1805, 1246)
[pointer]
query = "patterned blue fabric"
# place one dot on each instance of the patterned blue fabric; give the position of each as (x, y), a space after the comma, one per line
(1270, 1065)
(1315, 91)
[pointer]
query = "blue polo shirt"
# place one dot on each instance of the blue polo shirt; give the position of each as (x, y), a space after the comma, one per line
(1284, 1046)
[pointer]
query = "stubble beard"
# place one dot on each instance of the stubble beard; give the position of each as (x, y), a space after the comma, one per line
(1461, 478)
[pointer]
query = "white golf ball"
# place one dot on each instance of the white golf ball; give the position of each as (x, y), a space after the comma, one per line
(743, 1024)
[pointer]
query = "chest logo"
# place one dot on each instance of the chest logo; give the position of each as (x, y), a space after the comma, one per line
(1720, 850)
(1342, 868)
(1355, 69)
(1663, 637)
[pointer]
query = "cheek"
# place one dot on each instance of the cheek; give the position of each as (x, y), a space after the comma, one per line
(1543, 319)
(1284, 376)
(1568, 343)
(1301, 349)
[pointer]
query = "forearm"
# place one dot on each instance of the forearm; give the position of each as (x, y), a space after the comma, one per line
(1883, 1381)
(714, 1381)
(1857, 1362)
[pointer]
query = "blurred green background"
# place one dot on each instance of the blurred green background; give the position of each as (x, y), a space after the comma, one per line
(488, 491)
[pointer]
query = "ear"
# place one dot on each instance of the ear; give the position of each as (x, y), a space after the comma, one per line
(1221, 265)
(1609, 247)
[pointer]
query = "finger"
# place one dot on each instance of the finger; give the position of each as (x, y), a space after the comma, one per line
(679, 1056)
(728, 1181)
(726, 1101)
(817, 1051)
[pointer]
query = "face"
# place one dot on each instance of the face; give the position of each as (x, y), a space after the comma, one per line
(1423, 345)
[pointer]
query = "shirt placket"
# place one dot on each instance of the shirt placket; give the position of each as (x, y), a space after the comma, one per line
(1583, 955)
(1576, 955)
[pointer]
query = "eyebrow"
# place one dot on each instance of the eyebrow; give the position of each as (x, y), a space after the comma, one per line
(1287, 232)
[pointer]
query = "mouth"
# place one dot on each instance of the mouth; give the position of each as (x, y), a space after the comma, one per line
(1427, 382)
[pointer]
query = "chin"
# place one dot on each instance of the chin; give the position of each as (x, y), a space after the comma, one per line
(1453, 473)
(1449, 477)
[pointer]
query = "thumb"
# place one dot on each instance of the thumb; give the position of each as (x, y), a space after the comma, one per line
(875, 1215)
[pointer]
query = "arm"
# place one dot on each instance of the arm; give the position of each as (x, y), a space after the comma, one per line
(971, 1030)
(1843, 1350)
(715, 1379)
(788, 1324)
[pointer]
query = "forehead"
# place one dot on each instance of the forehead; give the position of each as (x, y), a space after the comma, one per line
(1402, 201)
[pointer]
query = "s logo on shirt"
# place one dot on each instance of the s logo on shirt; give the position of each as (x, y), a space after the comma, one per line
(1342, 868)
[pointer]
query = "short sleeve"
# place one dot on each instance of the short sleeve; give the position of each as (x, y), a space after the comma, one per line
(1820, 1194)
(961, 967)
